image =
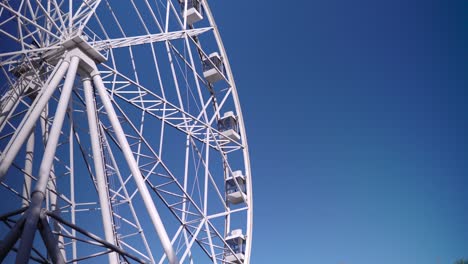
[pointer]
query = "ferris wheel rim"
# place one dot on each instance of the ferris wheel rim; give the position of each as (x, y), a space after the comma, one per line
(243, 132)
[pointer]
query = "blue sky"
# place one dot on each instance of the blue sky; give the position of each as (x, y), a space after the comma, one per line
(357, 121)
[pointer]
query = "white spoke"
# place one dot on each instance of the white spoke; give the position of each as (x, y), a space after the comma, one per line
(146, 39)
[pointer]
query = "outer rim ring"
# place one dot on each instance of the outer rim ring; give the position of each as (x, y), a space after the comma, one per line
(242, 133)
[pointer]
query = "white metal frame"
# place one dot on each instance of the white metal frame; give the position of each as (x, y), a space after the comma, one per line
(50, 43)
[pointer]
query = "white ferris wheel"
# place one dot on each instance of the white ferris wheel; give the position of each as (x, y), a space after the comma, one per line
(121, 135)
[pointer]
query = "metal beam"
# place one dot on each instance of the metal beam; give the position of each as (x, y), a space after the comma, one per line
(146, 39)
(51, 243)
(38, 195)
(28, 166)
(94, 237)
(29, 121)
(139, 180)
(101, 181)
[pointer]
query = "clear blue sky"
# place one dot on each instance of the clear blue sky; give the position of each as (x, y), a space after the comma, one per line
(357, 119)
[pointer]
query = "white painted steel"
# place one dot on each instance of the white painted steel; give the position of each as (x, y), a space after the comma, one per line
(55, 130)
(10, 101)
(157, 110)
(243, 133)
(139, 180)
(39, 192)
(28, 168)
(99, 169)
(25, 128)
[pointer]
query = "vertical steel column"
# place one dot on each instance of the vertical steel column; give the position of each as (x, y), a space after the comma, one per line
(72, 179)
(51, 197)
(141, 185)
(51, 243)
(101, 181)
(28, 164)
(28, 123)
(38, 195)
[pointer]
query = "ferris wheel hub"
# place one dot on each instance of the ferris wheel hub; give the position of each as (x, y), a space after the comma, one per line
(78, 46)
(80, 41)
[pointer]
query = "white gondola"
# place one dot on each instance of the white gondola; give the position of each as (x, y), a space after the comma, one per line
(213, 68)
(235, 192)
(194, 11)
(228, 126)
(236, 242)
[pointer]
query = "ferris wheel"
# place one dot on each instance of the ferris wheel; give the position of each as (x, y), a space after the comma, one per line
(121, 135)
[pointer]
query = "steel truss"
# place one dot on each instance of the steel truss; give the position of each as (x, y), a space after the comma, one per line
(109, 141)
